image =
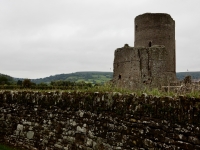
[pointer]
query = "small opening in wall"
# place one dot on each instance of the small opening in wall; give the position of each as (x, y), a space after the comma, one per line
(150, 44)
(120, 77)
(136, 26)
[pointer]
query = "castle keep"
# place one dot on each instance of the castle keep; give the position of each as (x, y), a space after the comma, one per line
(151, 62)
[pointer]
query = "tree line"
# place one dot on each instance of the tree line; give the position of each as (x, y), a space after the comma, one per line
(7, 82)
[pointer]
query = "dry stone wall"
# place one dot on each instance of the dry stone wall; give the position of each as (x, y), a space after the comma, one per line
(98, 121)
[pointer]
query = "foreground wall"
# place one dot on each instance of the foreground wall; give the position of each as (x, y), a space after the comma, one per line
(87, 121)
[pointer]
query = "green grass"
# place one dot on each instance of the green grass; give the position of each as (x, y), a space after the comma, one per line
(154, 92)
(95, 76)
(5, 147)
(99, 79)
(79, 80)
(109, 87)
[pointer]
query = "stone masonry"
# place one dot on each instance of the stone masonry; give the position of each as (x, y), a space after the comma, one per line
(152, 61)
(98, 121)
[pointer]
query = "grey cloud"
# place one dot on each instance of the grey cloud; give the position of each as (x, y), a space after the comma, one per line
(39, 38)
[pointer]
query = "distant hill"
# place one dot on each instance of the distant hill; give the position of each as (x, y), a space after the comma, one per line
(92, 77)
(99, 77)
(182, 75)
(6, 79)
(96, 77)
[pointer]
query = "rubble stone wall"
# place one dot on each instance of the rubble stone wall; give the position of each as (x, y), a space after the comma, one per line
(98, 121)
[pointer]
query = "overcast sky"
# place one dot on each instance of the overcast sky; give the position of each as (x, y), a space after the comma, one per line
(39, 38)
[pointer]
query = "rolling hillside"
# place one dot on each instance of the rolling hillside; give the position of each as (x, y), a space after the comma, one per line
(182, 75)
(6, 79)
(99, 77)
(92, 77)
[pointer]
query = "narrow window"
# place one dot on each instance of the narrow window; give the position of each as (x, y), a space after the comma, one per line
(119, 77)
(150, 44)
(136, 26)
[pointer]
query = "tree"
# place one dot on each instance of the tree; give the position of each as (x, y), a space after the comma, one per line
(42, 84)
(19, 82)
(3, 80)
(27, 83)
(187, 80)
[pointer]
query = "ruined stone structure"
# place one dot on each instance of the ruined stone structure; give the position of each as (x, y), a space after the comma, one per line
(152, 61)
(98, 121)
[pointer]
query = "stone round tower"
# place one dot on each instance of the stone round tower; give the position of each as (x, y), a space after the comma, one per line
(157, 29)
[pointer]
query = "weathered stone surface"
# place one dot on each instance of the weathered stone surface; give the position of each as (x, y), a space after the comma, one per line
(30, 135)
(183, 145)
(152, 60)
(130, 122)
(89, 142)
(2, 117)
(20, 127)
(194, 140)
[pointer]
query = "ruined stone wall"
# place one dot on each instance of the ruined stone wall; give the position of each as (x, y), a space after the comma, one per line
(98, 121)
(136, 67)
(157, 29)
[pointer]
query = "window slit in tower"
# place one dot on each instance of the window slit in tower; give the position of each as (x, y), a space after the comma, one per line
(119, 77)
(150, 44)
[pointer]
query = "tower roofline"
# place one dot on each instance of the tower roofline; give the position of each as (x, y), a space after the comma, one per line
(153, 14)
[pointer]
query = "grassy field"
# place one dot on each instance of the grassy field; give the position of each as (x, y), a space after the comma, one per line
(95, 79)
(5, 147)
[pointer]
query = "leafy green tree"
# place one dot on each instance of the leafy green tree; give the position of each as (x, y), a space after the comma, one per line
(27, 83)
(6, 80)
(19, 82)
(42, 84)
(3, 80)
